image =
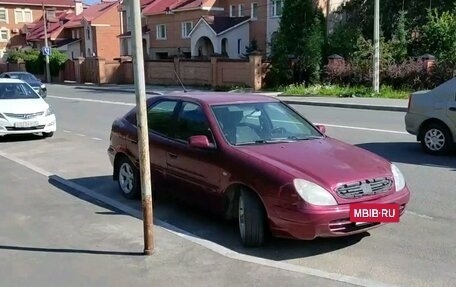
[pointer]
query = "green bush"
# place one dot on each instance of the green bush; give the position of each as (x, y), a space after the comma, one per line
(57, 62)
(35, 61)
(32, 62)
(343, 91)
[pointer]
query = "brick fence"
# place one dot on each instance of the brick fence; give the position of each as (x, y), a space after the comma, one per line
(216, 72)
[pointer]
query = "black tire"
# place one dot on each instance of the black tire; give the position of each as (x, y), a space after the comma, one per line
(48, 135)
(128, 178)
(251, 218)
(436, 139)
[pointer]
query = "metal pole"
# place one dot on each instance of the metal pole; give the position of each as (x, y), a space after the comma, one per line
(143, 133)
(48, 71)
(376, 83)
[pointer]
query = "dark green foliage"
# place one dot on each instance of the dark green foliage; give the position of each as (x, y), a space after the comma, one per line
(251, 48)
(35, 61)
(439, 35)
(297, 51)
(400, 41)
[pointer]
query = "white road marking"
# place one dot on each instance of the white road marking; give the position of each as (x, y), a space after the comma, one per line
(68, 132)
(97, 139)
(364, 129)
(81, 135)
(203, 242)
(419, 215)
(328, 125)
(92, 101)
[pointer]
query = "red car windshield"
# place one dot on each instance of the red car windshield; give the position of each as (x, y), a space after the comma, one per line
(262, 123)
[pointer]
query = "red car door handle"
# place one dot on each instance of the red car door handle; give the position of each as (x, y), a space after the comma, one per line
(172, 155)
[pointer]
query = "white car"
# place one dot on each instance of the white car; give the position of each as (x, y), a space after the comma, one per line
(23, 111)
(431, 116)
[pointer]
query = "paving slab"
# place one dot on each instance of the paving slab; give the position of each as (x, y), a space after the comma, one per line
(50, 237)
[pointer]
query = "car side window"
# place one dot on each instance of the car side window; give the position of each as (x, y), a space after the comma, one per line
(160, 117)
(192, 122)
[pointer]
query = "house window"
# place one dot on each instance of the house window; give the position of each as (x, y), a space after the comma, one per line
(241, 10)
(254, 11)
(73, 34)
(233, 12)
(239, 46)
(23, 15)
(4, 35)
(277, 8)
(3, 15)
(78, 34)
(186, 28)
(88, 33)
(161, 32)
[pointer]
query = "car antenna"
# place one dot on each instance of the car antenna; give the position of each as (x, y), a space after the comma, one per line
(178, 78)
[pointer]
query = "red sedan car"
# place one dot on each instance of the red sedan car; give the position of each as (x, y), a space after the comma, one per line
(255, 159)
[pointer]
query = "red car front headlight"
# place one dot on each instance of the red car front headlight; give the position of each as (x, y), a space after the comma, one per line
(313, 193)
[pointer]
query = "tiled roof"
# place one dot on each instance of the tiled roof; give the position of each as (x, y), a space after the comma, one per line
(60, 3)
(161, 6)
(90, 14)
(36, 29)
(221, 23)
(69, 19)
(144, 3)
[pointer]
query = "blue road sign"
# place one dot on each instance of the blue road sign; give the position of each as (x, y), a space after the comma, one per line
(46, 51)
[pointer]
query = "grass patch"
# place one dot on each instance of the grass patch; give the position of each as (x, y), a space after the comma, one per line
(342, 91)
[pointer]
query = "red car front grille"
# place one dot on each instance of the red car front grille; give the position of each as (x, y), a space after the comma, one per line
(346, 226)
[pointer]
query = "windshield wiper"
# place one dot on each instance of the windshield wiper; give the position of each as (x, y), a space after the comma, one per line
(304, 138)
(269, 141)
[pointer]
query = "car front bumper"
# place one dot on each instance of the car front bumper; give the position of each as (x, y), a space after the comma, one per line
(43, 124)
(328, 222)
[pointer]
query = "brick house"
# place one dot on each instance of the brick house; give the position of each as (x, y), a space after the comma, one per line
(82, 32)
(14, 14)
(126, 21)
(197, 28)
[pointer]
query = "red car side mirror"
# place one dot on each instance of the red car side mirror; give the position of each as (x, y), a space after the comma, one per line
(321, 128)
(199, 142)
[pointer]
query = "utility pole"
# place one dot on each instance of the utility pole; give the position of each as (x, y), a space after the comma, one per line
(48, 71)
(376, 83)
(143, 132)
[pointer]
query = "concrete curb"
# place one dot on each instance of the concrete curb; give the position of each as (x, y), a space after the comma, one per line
(345, 105)
(109, 89)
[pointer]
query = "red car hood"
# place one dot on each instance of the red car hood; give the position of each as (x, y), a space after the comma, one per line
(326, 161)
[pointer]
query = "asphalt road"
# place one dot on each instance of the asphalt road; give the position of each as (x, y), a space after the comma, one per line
(419, 251)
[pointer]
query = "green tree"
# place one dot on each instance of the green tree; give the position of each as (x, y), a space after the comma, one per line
(252, 47)
(439, 35)
(300, 37)
(343, 39)
(400, 41)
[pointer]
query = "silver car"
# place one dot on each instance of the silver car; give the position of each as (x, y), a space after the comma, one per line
(431, 116)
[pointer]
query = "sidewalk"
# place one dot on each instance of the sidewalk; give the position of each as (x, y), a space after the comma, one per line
(397, 105)
(54, 237)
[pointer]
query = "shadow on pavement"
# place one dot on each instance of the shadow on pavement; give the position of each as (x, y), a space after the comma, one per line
(20, 138)
(207, 226)
(62, 250)
(410, 153)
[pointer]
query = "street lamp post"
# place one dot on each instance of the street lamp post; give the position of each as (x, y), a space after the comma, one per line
(376, 80)
(48, 71)
(143, 131)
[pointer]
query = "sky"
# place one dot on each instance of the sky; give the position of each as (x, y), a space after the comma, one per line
(91, 1)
